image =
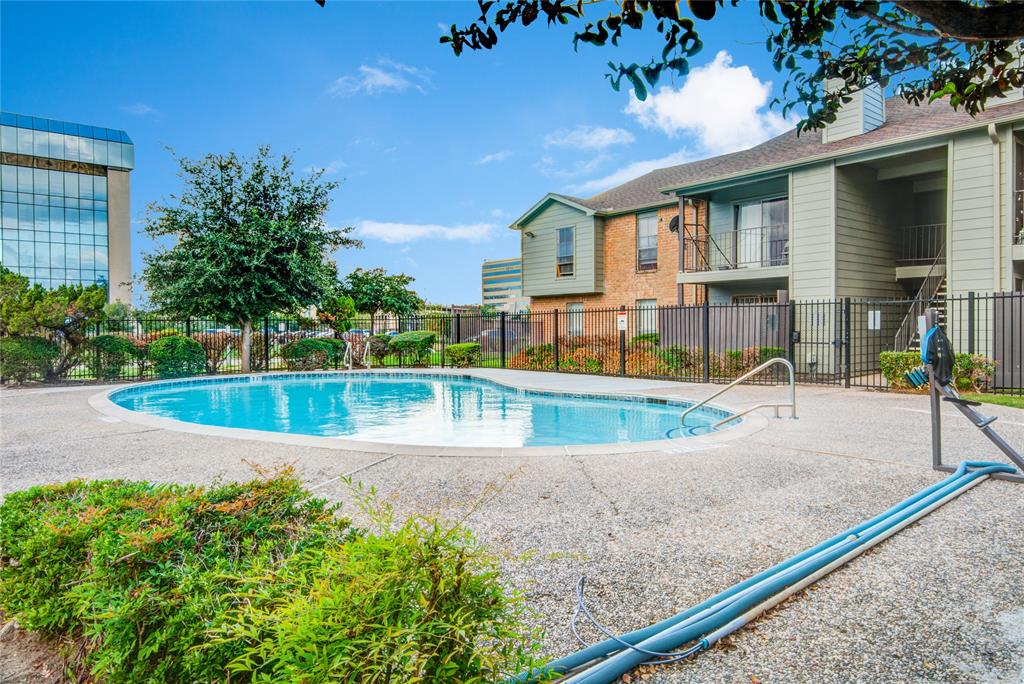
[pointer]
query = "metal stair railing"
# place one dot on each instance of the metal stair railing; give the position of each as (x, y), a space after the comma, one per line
(922, 300)
(791, 404)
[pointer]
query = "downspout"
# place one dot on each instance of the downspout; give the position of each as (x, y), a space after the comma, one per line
(997, 237)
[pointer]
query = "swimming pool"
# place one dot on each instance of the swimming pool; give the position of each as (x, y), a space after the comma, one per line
(414, 408)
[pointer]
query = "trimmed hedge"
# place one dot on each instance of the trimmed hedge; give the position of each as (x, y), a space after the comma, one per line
(176, 356)
(380, 346)
(463, 355)
(312, 353)
(971, 372)
(107, 355)
(414, 343)
(253, 582)
(27, 358)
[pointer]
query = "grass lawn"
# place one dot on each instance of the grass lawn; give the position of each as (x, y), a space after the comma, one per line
(1000, 399)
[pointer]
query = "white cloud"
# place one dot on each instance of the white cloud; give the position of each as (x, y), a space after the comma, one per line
(332, 167)
(589, 137)
(398, 233)
(724, 107)
(141, 109)
(501, 155)
(629, 172)
(385, 76)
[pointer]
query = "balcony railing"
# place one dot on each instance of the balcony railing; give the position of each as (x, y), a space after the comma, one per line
(919, 245)
(758, 247)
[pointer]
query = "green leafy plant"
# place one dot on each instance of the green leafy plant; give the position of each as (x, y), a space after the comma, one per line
(26, 358)
(652, 338)
(463, 355)
(414, 344)
(176, 356)
(108, 355)
(379, 347)
(971, 372)
(312, 353)
(253, 582)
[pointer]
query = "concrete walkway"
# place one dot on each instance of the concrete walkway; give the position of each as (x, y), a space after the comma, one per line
(654, 532)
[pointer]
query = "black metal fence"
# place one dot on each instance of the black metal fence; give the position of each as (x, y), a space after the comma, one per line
(835, 342)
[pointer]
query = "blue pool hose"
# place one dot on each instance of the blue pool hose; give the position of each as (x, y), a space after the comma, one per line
(709, 621)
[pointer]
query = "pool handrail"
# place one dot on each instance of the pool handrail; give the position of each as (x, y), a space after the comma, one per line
(791, 404)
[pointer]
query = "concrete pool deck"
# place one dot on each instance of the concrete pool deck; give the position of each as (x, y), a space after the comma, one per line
(656, 531)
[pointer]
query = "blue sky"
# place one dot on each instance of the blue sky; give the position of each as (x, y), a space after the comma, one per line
(437, 154)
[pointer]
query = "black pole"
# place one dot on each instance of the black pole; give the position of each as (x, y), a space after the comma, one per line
(458, 328)
(706, 338)
(622, 346)
(188, 327)
(792, 332)
(266, 343)
(502, 343)
(846, 342)
(554, 314)
(970, 323)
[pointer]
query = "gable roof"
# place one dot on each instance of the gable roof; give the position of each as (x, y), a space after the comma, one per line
(568, 200)
(903, 121)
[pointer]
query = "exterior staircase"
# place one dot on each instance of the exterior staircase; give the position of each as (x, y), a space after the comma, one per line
(932, 293)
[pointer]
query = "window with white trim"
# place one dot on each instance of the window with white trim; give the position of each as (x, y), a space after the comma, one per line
(574, 312)
(647, 242)
(566, 261)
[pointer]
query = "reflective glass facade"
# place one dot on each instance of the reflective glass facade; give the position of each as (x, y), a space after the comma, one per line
(54, 200)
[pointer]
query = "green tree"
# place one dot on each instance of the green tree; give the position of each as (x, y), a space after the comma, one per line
(373, 291)
(962, 50)
(250, 240)
(63, 315)
(337, 310)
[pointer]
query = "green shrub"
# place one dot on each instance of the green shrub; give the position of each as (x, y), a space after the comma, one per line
(176, 356)
(971, 372)
(252, 582)
(535, 357)
(463, 355)
(379, 346)
(27, 358)
(653, 338)
(414, 343)
(107, 355)
(312, 353)
(766, 353)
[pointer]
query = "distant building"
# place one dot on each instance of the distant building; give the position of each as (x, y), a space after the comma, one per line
(502, 285)
(65, 203)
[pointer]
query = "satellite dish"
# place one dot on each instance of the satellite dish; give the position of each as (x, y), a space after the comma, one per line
(673, 225)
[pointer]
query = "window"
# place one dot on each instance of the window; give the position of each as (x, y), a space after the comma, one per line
(646, 316)
(762, 233)
(574, 312)
(566, 263)
(647, 242)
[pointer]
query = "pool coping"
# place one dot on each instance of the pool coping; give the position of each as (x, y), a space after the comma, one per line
(748, 425)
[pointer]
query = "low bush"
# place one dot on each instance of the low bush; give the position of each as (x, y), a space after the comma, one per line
(252, 582)
(652, 338)
(217, 347)
(414, 343)
(463, 355)
(971, 372)
(108, 355)
(176, 356)
(27, 358)
(312, 353)
(379, 347)
(536, 357)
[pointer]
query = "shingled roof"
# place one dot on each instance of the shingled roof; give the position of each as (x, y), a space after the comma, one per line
(903, 121)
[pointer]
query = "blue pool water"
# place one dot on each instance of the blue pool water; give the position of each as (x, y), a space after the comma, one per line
(413, 409)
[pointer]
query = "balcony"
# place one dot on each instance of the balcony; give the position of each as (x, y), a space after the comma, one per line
(920, 245)
(758, 247)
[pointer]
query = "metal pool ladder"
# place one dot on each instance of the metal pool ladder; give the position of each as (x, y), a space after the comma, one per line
(770, 362)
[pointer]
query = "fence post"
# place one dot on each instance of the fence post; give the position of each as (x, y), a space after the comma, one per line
(792, 332)
(706, 338)
(846, 342)
(622, 346)
(266, 344)
(554, 313)
(458, 328)
(971, 331)
(501, 344)
(188, 327)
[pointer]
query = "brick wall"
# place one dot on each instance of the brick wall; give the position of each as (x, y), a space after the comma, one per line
(623, 284)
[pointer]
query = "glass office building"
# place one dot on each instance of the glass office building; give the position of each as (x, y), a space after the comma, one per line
(64, 203)
(501, 284)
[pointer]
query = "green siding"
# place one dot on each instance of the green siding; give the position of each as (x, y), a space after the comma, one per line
(971, 248)
(812, 248)
(866, 243)
(721, 215)
(538, 253)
